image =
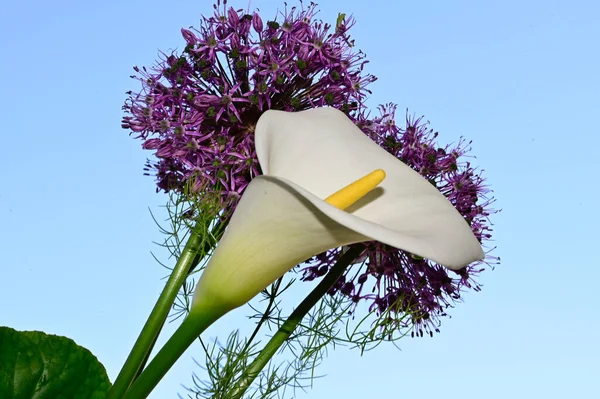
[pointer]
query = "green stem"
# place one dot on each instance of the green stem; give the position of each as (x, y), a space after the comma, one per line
(145, 342)
(216, 234)
(288, 327)
(195, 323)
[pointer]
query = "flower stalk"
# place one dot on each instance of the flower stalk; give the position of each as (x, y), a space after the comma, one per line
(194, 324)
(145, 342)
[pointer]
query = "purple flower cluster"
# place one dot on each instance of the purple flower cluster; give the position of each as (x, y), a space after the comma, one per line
(197, 111)
(401, 283)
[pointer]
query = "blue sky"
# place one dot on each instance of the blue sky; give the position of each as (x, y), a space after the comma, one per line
(520, 79)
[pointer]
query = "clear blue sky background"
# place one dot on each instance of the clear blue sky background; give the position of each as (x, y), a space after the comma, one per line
(519, 78)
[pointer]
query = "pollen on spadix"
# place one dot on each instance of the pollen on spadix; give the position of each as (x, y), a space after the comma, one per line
(348, 195)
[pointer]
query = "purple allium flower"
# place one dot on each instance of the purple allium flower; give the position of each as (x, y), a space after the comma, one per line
(402, 284)
(197, 110)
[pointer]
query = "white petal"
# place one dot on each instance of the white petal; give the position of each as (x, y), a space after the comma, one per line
(321, 151)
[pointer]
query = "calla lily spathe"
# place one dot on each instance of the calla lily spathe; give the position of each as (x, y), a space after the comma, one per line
(282, 218)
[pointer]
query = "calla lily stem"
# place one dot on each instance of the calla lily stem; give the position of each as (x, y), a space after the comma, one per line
(288, 327)
(190, 256)
(194, 324)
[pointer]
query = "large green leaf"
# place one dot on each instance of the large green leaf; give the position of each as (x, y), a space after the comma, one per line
(43, 366)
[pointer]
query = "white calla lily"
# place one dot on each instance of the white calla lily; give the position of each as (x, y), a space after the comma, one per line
(283, 219)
